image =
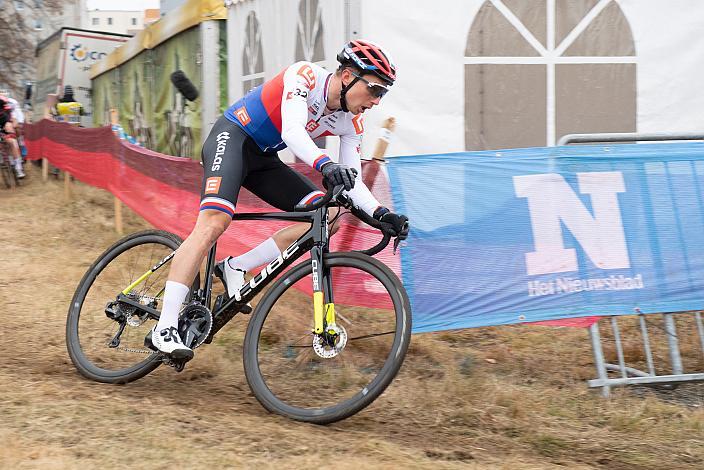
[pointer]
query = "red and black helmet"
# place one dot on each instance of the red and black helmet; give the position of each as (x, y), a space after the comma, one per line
(368, 57)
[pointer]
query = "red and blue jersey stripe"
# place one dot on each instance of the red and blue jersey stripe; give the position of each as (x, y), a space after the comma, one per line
(261, 118)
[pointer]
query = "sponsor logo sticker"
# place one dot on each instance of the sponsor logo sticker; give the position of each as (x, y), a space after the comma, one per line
(358, 123)
(312, 125)
(221, 140)
(242, 116)
(212, 185)
(307, 73)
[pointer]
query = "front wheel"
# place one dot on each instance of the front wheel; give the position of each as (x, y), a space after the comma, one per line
(318, 379)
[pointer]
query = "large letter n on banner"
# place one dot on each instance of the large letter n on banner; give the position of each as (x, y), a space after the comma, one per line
(551, 200)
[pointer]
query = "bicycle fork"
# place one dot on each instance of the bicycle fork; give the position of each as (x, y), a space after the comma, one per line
(323, 303)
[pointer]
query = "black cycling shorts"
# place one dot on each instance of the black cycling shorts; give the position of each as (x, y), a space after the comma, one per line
(231, 160)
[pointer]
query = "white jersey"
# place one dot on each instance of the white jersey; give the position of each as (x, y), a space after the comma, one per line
(17, 113)
(289, 111)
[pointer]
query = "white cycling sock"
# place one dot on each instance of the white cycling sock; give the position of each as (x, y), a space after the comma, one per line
(174, 296)
(264, 253)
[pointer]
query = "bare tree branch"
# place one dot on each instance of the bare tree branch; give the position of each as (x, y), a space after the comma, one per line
(19, 38)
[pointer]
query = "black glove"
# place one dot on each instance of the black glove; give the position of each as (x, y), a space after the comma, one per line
(398, 222)
(337, 174)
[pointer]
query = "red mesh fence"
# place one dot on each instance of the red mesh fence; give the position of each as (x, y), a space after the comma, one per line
(164, 190)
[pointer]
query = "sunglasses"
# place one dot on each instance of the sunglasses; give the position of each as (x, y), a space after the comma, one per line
(376, 90)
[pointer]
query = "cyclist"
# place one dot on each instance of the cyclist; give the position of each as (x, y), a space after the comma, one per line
(300, 104)
(8, 134)
(17, 119)
(69, 110)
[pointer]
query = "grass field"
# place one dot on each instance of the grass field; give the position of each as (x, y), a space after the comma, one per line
(509, 397)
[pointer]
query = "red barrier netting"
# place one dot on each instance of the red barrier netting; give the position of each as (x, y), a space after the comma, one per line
(165, 191)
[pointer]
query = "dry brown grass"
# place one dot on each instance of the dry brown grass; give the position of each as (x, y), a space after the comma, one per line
(511, 397)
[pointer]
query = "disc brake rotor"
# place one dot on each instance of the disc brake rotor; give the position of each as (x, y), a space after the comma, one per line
(331, 343)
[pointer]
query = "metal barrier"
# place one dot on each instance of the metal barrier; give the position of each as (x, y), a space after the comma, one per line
(633, 376)
(630, 375)
(628, 137)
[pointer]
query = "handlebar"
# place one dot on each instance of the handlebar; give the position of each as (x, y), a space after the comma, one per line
(344, 201)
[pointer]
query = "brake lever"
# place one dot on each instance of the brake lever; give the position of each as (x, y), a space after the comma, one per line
(397, 241)
(337, 191)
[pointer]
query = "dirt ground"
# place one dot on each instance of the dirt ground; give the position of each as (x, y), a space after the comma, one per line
(512, 397)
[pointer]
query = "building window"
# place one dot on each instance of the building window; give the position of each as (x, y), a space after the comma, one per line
(309, 40)
(19, 5)
(533, 74)
(134, 21)
(38, 3)
(252, 59)
(38, 25)
(96, 21)
(109, 21)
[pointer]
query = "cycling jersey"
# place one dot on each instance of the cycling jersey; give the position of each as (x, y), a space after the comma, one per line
(5, 112)
(17, 113)
(289, 111)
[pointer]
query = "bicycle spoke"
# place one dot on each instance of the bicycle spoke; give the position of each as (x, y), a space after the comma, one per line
(95, 330)
(295, 371)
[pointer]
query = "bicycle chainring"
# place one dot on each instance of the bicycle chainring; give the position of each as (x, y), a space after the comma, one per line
(194, 324)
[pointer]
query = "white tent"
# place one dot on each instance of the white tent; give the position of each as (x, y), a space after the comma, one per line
(476, 74)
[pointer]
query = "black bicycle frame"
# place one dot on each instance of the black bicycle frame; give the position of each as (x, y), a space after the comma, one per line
(315, 240)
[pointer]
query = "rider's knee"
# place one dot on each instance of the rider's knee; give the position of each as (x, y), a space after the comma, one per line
(211, 224)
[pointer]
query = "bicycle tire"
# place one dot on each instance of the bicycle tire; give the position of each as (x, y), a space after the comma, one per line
(363, 397)
(7, 176)
(83, 364)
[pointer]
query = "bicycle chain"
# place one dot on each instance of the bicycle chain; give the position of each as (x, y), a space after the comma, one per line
(133, 350)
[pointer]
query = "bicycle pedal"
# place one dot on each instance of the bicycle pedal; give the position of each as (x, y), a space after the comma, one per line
(148, 342)
(177, 364)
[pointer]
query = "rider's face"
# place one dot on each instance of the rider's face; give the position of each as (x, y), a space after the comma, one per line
(360, 98)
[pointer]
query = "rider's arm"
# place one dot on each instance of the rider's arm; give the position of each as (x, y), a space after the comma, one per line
(350, 156)
(299, 81)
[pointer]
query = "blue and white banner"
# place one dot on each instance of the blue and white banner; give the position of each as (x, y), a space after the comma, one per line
(526, 235)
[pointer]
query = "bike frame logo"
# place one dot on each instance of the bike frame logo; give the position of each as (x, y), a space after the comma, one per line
(269, 269)
(553, 204)
(80, 53)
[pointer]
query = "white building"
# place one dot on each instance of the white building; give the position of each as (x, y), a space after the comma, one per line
(113, 21)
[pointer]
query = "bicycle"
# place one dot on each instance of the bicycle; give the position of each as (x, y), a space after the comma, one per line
(7, 169)
(319, 362)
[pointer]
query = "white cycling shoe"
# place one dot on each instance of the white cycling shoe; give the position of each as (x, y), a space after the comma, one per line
(232, 278)
(169, 342)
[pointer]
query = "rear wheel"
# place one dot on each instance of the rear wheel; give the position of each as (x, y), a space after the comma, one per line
(95, 317)
(8, 177)
(326, 378)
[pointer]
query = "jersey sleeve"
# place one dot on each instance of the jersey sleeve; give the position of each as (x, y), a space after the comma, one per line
(350, 156)
(299, 82)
